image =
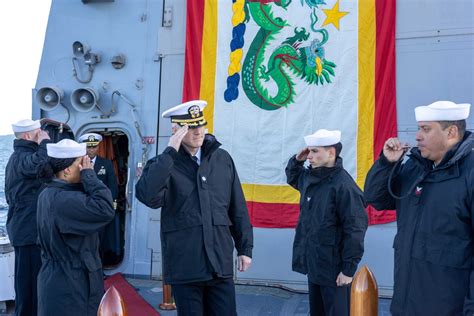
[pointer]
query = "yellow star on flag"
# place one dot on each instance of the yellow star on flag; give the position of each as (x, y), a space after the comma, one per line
(333, 15)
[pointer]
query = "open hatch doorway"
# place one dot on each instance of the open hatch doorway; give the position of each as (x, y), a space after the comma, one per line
(114, 147)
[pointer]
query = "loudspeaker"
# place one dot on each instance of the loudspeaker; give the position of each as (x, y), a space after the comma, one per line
(49, 98)
(80, 49)
(84, 99)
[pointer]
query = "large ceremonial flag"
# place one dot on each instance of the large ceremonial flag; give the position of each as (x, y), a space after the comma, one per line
(274, 71)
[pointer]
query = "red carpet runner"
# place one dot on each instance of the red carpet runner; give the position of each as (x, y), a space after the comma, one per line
(134, 303)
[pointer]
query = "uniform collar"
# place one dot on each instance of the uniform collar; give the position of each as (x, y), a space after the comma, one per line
(209, 145)
(456, 153)
(324, 172)
(58, 183)
(23, 143)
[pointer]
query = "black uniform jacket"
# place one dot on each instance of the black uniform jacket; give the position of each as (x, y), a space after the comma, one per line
(22, 189)
(70, 281)
(109, 241)
(105, 172)
(203, 212)
(434, 245)
(332, 223)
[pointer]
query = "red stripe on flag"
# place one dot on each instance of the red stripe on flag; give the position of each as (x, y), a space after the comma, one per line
(273, 215)
(192, 63)
(380, 217)
(385, 97)
(385, 90)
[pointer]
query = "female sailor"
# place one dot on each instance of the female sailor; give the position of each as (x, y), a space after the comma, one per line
(74, 206)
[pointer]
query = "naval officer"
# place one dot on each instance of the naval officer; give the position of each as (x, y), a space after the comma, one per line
(203, 214)
(103, 167)
(109, 245)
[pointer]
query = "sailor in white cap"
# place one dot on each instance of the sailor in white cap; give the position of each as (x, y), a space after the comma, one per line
(432, 192)
(29, 130)
(203, 214)
(110, 249)
(74, 206)
(329, 239)
(21, 191)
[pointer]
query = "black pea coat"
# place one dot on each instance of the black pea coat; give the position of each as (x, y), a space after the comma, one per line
(331, 227)
(21, 190)
(434, 245)
(203, 215)
(108, 236)
(106, 173)
(70, 281)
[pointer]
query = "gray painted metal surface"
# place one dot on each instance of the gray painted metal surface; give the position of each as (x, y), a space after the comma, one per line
(435, 60)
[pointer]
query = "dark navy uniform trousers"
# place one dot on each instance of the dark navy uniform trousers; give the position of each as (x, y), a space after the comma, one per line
(215, 297)
(328, 300)
(27, 266)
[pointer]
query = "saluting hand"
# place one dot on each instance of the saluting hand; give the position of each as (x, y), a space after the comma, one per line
(85, 163)
(177, 137)
(303, 154)
(343, 280)
(393, 149)
(243, 263)
(42, 135)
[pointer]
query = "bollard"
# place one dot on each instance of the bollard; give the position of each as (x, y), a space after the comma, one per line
(364, 294)
(168, 302)
(112, 304)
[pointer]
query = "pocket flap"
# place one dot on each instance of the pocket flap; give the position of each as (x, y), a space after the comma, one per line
(221, 219)
(436, 253)
(170, 223)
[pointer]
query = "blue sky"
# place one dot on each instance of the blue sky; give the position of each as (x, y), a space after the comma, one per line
(22, 29)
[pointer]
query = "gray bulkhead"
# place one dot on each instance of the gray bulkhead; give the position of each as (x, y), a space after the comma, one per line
(435, 60)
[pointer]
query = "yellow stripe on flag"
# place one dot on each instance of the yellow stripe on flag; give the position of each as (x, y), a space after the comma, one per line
(208, 60)
(366, 98)
(270, 193)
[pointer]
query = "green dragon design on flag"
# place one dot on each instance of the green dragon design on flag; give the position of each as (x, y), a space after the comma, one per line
(288, 61)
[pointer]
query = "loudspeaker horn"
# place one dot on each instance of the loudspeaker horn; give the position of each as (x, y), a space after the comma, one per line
(80, 49)
(84, 99)
(49, 98)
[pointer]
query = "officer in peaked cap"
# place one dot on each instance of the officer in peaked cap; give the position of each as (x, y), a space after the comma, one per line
(91, 139)
(329, 239)
(21, 191)
(102, 166)
(203, 214)
(433, 193)
(189, 113)
(105, 172)
(72, 208)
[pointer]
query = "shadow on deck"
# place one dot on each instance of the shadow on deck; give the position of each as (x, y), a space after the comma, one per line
(251, 300)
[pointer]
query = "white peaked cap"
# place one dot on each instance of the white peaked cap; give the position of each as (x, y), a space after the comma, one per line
(442, 111)
(25, 126)
(66, 148)
(323, 137)
(90, 138)
(182, 109)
